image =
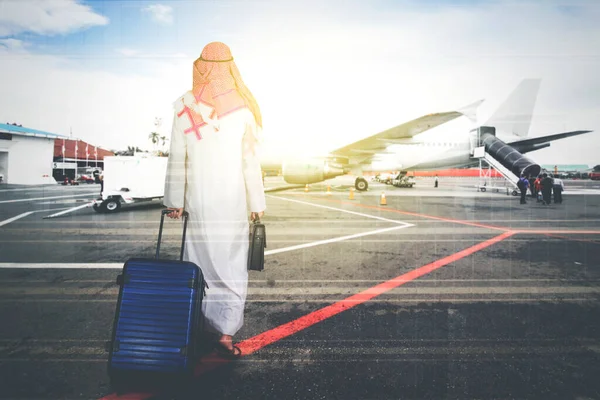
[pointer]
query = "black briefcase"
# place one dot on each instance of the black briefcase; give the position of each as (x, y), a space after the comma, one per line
(258, 242)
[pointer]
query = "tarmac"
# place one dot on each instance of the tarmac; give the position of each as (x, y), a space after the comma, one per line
(442, 292)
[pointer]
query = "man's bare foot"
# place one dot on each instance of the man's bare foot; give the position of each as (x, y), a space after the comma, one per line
(226, 341)
(226, 348)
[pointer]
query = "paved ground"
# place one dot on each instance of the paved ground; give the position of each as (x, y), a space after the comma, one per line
(439, 294)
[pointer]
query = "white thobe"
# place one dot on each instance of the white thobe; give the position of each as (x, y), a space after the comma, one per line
(215, 176)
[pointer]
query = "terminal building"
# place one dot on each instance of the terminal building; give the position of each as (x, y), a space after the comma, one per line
(33, 157)
(26, 155)
(73, 158)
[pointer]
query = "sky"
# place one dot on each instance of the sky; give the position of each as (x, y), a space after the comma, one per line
(325, 73)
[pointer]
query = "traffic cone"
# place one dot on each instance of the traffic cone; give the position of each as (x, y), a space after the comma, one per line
(351, 196)
(382, 200)
(329, 189)
(306, 188)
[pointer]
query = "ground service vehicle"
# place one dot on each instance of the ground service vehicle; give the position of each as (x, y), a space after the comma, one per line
(131, 180)
(405, 181)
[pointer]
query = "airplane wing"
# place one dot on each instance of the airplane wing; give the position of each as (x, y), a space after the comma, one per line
(377, 143)
(527, 145)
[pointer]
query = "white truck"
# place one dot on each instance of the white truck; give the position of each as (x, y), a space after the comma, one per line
(131, 180)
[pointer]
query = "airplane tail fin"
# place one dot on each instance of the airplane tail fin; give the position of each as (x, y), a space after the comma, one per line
(514, 115)
(470, 111)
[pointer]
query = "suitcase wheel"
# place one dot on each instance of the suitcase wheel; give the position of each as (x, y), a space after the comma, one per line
(121, 279)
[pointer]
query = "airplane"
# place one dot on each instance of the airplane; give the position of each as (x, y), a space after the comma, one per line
(401, 148)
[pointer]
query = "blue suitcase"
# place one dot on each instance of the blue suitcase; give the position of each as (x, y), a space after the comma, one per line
(157, 318)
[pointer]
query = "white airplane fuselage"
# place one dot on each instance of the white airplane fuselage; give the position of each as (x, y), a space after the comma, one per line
(432, 142)
(429, 155)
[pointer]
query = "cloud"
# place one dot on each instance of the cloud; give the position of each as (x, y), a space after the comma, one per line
(13, 45)
(128, 52)
(332, 76)
(46, 17)
(360, 71)
(160, 13)
(134, 53)
(108, 109)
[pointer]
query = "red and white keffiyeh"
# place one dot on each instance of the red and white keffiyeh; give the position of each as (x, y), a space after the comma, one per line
(218, 88)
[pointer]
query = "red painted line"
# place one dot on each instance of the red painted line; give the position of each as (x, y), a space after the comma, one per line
(456, 221)
(257, 342)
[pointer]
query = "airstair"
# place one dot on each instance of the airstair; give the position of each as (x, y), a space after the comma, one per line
(488, 149)
(489, 182)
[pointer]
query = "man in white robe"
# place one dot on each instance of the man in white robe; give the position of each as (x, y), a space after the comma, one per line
(214, 174)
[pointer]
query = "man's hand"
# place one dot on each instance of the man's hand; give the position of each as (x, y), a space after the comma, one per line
(255, 215)
(175, 213)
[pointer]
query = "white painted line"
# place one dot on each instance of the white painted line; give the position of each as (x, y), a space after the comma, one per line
(47, 198)
(120, 265)
(269, 252)
(53, 209)
(339, 239)
(329, 290)
(36, 189)
(68, 210)
(340, 209)
(62, 266)
(8, 221)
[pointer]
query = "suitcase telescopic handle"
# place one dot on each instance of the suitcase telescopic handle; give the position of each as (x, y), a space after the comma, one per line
(162, 221)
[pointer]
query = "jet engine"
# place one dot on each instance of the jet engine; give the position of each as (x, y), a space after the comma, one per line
(310, 171)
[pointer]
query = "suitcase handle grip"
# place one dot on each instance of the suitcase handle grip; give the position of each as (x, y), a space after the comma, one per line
(162, 221)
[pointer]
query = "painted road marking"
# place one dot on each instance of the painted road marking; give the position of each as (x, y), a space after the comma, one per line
(552, 298)
(47, 198)
(61, 266)
(120, 265)
(338, 209)
(259, 341)
(339, 239)
(269, 252)
(8, 221)
(455, 221)
(253, 344)
(328, 290)
(39, 189)
(68, 210)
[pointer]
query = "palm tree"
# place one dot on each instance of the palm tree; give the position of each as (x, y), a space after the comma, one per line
(154, 137)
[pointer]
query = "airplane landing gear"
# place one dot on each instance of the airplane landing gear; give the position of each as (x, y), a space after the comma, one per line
(361, 184)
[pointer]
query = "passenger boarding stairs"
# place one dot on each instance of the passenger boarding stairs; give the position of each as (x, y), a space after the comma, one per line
(488, 149)
(486, 181)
